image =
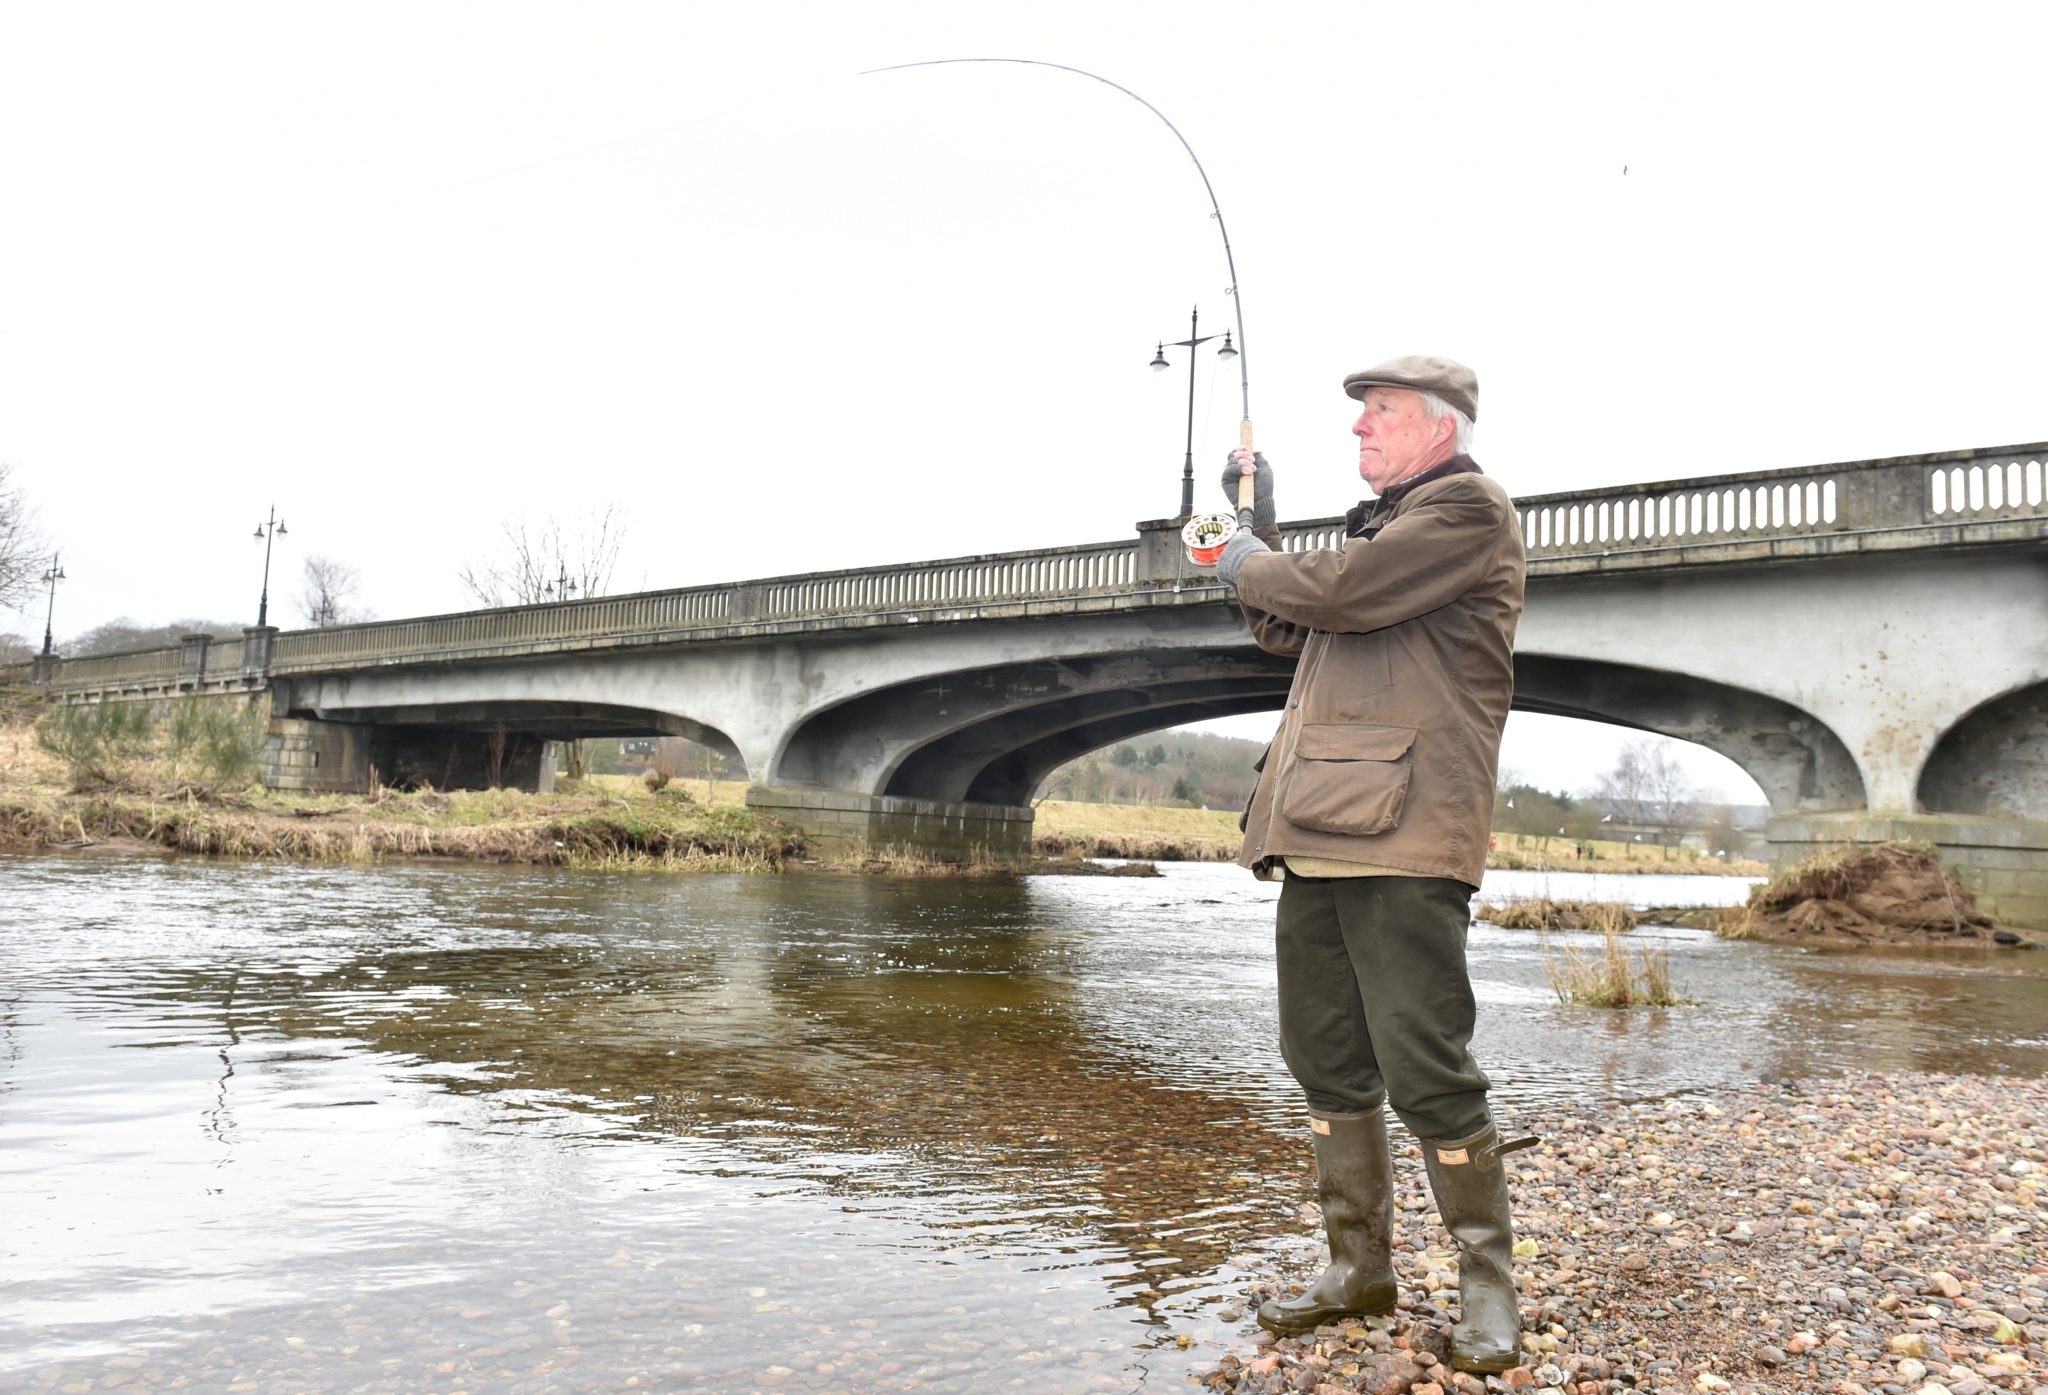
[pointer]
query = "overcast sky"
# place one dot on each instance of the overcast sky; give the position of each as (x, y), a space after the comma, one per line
(409, 270)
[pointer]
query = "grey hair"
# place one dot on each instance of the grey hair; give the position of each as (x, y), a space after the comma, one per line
(1435, 408)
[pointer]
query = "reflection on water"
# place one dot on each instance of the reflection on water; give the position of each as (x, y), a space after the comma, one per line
(338, 1129)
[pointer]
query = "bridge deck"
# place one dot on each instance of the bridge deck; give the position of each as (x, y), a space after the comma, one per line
(1957, 498)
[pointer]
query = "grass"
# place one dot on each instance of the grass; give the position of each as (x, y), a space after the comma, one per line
(1542, 913)
(1069, 829)
(1555, 854)
(609, 821)
(1609, 979)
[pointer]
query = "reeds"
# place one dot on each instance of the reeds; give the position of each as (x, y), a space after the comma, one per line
(493, 826)
(1543, 913)
(1609, 980)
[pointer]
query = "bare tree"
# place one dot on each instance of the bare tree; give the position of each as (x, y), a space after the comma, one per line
(327, 593)
(22, 558)
(124, 636)
(1648, 785)
(542, 563)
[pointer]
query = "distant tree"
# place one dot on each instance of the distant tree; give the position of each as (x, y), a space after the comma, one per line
(23, 559)
(538, 560)
(327, 593)
(1183, 791)
(124, 635)
(1648, 786)
(15, 649)
(1124, 757)
(1723, 836)
(1156, 757)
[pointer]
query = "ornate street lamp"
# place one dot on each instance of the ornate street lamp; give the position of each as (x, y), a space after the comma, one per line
(561, 588)
(267, 533)
(51, 577)
(1160, 365)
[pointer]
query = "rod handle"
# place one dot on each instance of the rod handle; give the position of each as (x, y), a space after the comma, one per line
(1247, 485)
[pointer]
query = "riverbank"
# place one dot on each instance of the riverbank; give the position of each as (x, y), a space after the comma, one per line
(613, 821)
(1854, 1235)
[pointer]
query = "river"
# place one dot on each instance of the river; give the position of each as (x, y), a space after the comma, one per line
(272, 1127)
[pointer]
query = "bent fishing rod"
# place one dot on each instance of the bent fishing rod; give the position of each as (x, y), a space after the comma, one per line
(1244, 431)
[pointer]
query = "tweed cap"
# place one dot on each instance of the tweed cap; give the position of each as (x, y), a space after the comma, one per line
(1450, 380)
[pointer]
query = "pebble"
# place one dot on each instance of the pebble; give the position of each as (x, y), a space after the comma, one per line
(1853, 1235)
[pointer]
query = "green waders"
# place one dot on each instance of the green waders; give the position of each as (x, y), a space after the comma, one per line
(1354, 1183)
(1471, 1191)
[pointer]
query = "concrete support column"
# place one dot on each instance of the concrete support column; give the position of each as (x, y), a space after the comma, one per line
(43, 668)
(842, 821)
(315, 757)
(2003, 860)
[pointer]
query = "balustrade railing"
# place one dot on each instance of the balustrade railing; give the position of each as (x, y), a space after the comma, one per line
(1917, 491)
(1014, 576)
(2011, 485)
(651, 612)
(140, 669)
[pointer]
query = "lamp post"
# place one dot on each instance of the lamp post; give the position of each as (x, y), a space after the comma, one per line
(1160, 365)
(267, 533)
(54, 575)
(561, 588)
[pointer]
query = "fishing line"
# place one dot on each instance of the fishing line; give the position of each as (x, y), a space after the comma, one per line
(1215, 211)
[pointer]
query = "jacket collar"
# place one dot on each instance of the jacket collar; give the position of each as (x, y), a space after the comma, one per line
(1354, 519)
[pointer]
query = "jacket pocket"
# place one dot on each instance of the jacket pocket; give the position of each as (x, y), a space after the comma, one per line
(1348, 779)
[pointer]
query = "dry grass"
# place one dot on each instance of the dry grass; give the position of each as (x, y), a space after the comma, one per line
(1068, 829)
(1555, 854)
(484, 826)
(1609, 979)
(1542, 913)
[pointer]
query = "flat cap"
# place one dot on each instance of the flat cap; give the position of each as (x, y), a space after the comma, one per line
(1450, 380)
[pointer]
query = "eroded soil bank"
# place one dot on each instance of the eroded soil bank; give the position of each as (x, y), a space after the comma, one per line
(1888, 893)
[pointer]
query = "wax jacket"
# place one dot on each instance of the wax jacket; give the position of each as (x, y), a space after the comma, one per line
(1390, 740)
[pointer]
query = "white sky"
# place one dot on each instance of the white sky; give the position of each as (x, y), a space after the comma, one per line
(406, 270)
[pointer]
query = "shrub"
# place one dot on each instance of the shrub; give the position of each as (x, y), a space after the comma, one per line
(102, 742)
(203, 744)
(213, 745)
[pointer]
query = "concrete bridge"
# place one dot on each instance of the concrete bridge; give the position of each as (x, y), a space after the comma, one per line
(1868, 640)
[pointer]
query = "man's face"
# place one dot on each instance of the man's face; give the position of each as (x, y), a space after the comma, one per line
(1395, 440)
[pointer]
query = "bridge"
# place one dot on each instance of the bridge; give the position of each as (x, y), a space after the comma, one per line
(1868, 640)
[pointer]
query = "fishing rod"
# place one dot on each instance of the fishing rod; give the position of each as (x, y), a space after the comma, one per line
(1244, 430)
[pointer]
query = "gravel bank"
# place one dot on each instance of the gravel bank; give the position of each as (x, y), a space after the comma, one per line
(1862, 1235)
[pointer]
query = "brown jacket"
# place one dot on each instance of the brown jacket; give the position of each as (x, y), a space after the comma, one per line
(1390, 739)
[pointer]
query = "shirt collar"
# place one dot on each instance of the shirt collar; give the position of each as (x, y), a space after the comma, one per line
(1354, 520)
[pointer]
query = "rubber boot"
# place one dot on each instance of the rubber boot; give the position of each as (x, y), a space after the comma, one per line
(1471, 1191)
(1354, 1182)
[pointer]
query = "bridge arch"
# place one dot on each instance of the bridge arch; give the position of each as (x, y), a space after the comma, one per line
(1795, 758)
(989, 735)
(1993, 761)
(420, 735)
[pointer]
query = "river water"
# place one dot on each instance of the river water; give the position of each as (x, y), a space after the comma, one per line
(268, 1127)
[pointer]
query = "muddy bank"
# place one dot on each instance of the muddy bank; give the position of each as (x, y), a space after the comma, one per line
(1888, 893)
(1870, 1233)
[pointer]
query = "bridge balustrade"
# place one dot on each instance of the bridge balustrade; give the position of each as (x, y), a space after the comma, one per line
(1638, 524)
(2010, 486)
(1069, 571)
(540, 625)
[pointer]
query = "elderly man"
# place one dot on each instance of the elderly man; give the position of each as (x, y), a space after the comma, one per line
(1373, 809)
